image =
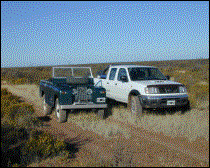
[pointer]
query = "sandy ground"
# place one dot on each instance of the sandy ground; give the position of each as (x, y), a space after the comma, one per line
(145, 146)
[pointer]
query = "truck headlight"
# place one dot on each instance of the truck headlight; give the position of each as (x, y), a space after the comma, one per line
(152, 90)
(89, 91)
(182, 89)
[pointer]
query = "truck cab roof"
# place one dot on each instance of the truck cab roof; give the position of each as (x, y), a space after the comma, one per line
(129, 66)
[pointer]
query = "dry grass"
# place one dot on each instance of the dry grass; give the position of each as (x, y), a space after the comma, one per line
(193, 124)
(90, 121)
(167, 163)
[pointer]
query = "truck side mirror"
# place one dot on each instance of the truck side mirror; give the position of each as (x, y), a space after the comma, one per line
(124, 78)
(103, 76)
(168, 77)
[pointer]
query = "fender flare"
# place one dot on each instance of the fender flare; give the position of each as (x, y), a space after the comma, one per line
(135, 93)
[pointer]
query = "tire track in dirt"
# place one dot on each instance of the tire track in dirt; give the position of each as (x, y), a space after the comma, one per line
(31, 94)
(166, 141)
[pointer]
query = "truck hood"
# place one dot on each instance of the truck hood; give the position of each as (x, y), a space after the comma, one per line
(155, 82)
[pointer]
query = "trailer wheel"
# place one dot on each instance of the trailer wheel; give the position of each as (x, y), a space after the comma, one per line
(46, 108)
(60, 114)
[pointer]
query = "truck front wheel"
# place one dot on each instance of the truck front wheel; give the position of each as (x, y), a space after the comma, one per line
(46, 108)
(135, 106)
(101, 113)
(60, 114)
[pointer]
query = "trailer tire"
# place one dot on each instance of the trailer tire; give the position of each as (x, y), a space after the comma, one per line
(47, 110)
(60, 114)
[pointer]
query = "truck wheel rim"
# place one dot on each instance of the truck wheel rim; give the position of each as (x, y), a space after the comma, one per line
(44, 104)
(57, 110)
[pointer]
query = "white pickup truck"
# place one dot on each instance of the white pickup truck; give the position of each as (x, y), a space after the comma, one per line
(142, 87)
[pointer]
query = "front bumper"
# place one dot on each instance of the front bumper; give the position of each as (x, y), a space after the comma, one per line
(164, 101)
(83, 106)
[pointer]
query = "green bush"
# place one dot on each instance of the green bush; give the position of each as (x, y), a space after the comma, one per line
(21, 109)
(20, 81)
(42, 144)
(200, 90)
(16, 122)
(7, 99)
(193, 100)
(4, 92)
(19, 115)
(11, 135)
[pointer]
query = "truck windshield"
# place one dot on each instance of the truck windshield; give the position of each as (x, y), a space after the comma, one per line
(78, 72)
(144, 73)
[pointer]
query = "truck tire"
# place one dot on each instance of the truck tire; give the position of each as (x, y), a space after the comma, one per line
(46, 108)
(60, 114)
(135, 106)
(101, 113)
(185, 108)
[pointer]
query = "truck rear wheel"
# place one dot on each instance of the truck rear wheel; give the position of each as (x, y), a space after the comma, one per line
(60, 114)
(46, 108)
(135, 106)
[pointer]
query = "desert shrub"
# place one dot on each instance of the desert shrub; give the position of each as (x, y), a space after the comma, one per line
(11, 135)
(17, 110)
(41, 144)
(200, 90)
(19, 115)
(11, 140)
(167, 71)
(7, 99)
(196, 69)
(184, 78)
(18, 118)
(20, 81)
(192, 78)
(4, 92)
(193, 100)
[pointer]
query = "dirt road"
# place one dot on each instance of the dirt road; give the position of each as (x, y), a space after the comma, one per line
(146, 148)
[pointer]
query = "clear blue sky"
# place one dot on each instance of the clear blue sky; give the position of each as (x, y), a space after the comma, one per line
(36, 33)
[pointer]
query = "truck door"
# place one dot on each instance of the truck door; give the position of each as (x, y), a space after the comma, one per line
(110, 83)
(121, 87)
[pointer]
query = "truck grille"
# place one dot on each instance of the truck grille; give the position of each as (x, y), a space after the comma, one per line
(82, 95)
(168, 88)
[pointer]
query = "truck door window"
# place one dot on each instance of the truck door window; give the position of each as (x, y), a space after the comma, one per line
(122, 72)
(112, 73)
(104, 73)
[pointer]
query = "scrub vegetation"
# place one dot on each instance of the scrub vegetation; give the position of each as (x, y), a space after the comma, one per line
(194, 74)
(21, 141)
(21, 136)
